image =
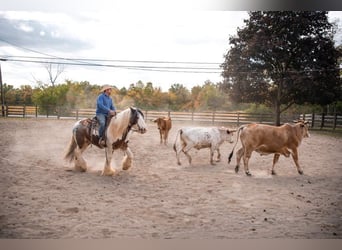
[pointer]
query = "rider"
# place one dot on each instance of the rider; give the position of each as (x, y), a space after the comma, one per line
(104, 108)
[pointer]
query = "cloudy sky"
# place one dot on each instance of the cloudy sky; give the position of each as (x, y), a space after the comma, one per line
(115, 43)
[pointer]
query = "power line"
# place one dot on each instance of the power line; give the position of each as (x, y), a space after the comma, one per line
(176, 69)
(114, 60)
(47, 58)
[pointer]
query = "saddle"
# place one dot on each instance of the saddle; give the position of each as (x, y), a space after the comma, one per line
(92, 125)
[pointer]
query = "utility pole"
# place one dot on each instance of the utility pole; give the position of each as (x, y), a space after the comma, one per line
(2, 92)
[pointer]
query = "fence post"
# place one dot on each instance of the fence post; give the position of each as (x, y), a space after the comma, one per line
(238, 119)
(335, 121)
(24, 110)
(322, 121)
(313, 120)
(192, 116)
(213, 118)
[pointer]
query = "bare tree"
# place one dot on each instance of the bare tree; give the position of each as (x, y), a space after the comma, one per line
(54, 71)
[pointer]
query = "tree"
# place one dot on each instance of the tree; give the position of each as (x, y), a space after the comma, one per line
(179, 96)
(54, 72)
(283, 58)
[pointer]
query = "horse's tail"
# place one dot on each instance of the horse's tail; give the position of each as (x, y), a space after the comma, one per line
(237, 139)
(70, 154)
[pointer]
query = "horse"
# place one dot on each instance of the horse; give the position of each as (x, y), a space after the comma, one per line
(117, 133)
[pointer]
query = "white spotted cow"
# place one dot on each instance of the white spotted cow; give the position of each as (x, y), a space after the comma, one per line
(201, 137)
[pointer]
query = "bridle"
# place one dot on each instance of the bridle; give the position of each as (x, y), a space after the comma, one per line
(133, 120)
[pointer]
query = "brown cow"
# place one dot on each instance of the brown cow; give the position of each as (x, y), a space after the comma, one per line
(164, 126)
(267, 139)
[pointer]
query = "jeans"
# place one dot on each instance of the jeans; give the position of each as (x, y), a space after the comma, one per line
(102, 121)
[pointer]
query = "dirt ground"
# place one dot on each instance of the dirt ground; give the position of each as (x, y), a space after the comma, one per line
(156, 198)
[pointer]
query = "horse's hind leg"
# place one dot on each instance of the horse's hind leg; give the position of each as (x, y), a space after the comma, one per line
(80, 163)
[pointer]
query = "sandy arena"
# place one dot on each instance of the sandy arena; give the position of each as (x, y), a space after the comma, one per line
(156, 198)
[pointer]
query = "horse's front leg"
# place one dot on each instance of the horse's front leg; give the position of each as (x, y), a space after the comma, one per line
(108, 170)
(127, 160)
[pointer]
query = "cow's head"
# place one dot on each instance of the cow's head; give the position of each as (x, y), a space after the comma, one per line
(304, 127)
(159, 122)
(227, 134)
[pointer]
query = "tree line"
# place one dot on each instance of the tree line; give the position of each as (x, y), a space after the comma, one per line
(74, 95)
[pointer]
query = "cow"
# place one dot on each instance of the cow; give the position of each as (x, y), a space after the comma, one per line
(201, 137)
(164, 126)
(267, 139)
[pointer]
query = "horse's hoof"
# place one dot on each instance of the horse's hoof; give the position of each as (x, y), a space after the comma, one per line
(126, 167)
(273, 172)
(236, 169)
(108, 172)
(300, 172)
(248, 173)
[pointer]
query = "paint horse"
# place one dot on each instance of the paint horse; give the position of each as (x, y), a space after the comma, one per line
(117, 133)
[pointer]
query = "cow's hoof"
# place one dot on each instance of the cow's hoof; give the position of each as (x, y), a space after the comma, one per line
(248, 173)
(236, 169)
(300, 172)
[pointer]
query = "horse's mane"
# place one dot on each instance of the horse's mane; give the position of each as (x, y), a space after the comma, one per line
(118, 125)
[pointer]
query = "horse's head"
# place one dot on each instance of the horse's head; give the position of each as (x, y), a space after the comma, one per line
(137, 121)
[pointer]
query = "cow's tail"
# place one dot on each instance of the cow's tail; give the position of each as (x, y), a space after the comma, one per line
(178, 140)
(237, 139)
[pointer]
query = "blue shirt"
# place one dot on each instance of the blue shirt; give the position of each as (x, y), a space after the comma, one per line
(104, 104)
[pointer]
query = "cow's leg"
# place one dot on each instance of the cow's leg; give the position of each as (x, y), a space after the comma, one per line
(178, 151)
(212, 156)
(275, 160)
(239, 154)
(108, 170)
(247, 154)
(166, 134)
(185, 151)
(161, 136)
(218, 155)
(295, 159)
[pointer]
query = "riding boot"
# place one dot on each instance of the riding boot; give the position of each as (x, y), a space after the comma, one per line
(102, 142)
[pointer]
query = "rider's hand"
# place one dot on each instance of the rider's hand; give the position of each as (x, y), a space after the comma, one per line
(111, 112)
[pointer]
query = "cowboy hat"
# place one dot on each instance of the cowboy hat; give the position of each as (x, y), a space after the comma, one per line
(105, 87)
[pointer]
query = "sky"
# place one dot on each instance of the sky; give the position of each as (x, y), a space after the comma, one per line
(164, 45)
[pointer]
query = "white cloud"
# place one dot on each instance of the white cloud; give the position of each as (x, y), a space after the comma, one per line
(200, 36)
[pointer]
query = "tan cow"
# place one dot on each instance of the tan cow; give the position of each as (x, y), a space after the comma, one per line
(164, 126)
(267, 139)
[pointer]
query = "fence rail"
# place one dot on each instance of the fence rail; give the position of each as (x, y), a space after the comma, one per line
(213, 117)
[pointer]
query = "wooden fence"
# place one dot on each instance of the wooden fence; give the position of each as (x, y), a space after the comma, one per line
(214, 117)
